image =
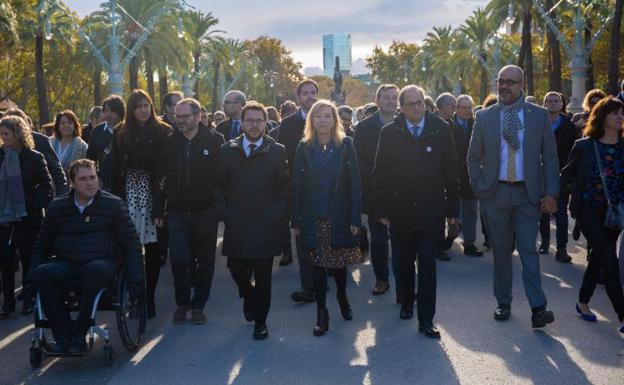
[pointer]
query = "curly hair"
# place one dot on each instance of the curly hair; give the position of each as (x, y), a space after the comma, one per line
(20, 129)
(595, 93)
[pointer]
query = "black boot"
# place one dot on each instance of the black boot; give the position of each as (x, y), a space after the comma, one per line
(322, 322)
(345, 308)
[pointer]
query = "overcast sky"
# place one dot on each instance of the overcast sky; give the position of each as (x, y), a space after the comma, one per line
(301, 24)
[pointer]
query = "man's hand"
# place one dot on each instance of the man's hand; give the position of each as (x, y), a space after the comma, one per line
(355, 230)
(384, 221)
(159, 222)
(548, 205)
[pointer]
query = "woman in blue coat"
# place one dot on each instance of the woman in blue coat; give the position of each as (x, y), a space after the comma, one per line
(326, 209)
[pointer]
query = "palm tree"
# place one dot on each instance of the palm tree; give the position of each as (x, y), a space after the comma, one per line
(613, 73)
(8, 25)
(434, 59)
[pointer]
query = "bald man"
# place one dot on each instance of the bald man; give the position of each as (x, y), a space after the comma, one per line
(233, 103)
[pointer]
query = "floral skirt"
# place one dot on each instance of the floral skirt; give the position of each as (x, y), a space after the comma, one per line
(325, 256)
(139, 198)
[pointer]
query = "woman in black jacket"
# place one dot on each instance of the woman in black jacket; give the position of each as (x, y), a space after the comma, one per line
(137, 145)
(25, 190)
(594, 176)
(327, 205)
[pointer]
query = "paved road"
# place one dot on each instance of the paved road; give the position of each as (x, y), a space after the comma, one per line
(375, 348)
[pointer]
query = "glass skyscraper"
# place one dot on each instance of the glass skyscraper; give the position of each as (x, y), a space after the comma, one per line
(336, 44)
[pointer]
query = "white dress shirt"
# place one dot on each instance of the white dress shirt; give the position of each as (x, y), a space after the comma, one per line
(246, 144)
(504, 151)
(418, 127)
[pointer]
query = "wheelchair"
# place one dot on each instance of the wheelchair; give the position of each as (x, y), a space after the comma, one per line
(131, 316)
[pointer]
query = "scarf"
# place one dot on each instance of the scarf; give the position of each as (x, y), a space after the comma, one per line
(511, 122)
(64, 157)
(12, 202)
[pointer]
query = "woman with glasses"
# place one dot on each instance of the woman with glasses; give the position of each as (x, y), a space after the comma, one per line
(137, 145)
(594, 175)
(327, 213)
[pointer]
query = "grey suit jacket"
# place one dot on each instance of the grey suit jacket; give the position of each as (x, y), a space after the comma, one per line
(541, 167)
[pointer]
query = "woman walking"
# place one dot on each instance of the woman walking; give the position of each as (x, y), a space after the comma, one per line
(66, 141)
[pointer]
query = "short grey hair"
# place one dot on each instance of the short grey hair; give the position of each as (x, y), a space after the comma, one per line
(444, 98)
(463, 97)
(239, 96)
(408, 88)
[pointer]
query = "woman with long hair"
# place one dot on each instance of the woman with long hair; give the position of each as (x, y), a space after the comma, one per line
(25, 190)
(67, 141)
(327, 205)
(136, 147)
(594, 176)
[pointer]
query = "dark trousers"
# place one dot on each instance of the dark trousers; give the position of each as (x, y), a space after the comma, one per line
(602, 259)
(426, 245)
(16, 244)
(285, 238)
(561, 218)
(52, 280)
(320, 283)
(260, 293)
(153, 261)
(192, 244)
(379, 249)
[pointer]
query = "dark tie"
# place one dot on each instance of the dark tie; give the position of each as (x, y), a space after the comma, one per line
(416, 133)
(235, 129)
(252, 148)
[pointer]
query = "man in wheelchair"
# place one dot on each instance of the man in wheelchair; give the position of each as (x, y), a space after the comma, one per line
(83, 236)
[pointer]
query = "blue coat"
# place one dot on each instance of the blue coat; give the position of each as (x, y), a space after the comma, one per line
(345, 206)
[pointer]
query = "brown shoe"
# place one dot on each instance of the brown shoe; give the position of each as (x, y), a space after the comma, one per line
(381, 287)
(198, 317)
(179, 315)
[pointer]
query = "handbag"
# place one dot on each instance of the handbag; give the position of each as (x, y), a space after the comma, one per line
(614, 218)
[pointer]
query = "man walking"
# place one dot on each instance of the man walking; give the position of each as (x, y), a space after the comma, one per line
(233, 103)
(513, 168)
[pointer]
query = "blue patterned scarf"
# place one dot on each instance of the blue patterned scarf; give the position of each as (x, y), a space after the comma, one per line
(12, 202)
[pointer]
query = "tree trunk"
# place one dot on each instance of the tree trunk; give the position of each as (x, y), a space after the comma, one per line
(528, 54)
(42, 91)
(163, 87)
(196, 57)
(485, 83)
(554, 55)
(215, 86)
(97, 85)
(133, 72)
(149, 72)
(613, 73)
(590, 83)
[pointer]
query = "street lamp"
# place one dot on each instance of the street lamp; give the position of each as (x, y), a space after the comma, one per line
(578, 51)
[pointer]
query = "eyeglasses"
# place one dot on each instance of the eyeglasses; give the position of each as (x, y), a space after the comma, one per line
(418, 103)
(507, 82)
(183, 116)
(254, 121)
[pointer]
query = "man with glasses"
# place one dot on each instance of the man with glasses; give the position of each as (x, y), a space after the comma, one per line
(252, 197)
(514, 171)
(415, 188)
(233, 103)
(188, 170)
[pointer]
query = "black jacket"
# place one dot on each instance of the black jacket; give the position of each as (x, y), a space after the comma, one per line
(289, 134)
(565, 136)
(99, 151)
(103, 231)
(415, 181)
(252, 197)
(36, 181)
(189, 170)
(365, 141)
(42, 145)
(225, 128)
(345, 207)
(462, 141)
(574, 174)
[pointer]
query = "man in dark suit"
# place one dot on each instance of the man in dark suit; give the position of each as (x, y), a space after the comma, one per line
(290, 132)
(566, 134)
(415, 187)
(365, 141)
(95, 117)
(233, 103)
(168, 107)
(514, 171)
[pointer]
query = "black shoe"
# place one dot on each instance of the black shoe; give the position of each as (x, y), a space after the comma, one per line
(381, 287)
(486, 245)
(345, 308)
(443, 256)
(322, 322)
(7, 310)
(58, 347)
(502, 312)
(407, 310)
(27, 306)
(286, 259)
(429, 331)
(472, 251)
(151, 309)
(541, 317)
(543, 249)
(260, 332)
(248, 309)
(305, 296)
(77, 344)
(563, 256)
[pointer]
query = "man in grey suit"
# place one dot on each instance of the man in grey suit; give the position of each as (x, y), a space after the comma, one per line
(513, 168)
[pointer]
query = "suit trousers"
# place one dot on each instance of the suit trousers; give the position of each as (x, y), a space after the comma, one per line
(469, 213)
(260, 293)
(306, 270)
(192, 245)
(561, 220)
(426, 244)
(50, 279)
(509, 214)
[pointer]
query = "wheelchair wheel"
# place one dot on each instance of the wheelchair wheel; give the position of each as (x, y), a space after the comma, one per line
(109, 355)
(35, 357)
(131, 315)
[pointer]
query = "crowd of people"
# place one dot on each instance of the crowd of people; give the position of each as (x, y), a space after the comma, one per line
(145, 188)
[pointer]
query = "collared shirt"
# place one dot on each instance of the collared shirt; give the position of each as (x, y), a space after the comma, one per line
(463, 124)
(504, 151)
(80, 207)
(246, 144)
(554, 125)
(416, 130)
(108, 128)
(304, 114)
